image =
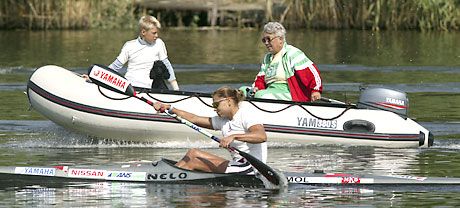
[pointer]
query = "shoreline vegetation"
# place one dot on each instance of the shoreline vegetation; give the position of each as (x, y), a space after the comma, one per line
(423, 15)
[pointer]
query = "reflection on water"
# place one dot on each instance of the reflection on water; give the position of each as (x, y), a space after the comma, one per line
(45, 143)
(71, 195)
(83, 48)
(114, 194)
(54, 148)
(284, 156)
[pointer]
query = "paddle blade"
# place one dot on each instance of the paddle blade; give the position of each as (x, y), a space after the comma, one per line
(275, 177)
(110, 79)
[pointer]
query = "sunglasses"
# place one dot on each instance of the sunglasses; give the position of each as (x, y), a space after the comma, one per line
(217, 103)
(268, 39)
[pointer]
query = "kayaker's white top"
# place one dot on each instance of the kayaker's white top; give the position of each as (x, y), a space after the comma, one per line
(242, 121)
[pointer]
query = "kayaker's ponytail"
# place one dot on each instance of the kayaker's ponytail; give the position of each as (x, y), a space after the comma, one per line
(239, 95)
(228, 92)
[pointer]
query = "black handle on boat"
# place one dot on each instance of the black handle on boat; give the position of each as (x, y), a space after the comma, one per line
(112, 80)
(329, 100)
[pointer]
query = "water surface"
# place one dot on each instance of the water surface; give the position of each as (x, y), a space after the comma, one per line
(425, 65)
(365, 48)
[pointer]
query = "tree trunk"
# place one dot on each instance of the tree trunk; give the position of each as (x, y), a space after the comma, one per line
(269, 10)
(214, 13)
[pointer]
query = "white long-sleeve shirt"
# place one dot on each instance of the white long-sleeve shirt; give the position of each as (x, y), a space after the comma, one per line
(140, 56)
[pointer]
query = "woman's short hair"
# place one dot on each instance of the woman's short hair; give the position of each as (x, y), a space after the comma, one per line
(275, 28)
(147, 22)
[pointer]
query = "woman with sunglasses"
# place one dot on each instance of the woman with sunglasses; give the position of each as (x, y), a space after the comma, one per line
(240, 128)
(286, 73)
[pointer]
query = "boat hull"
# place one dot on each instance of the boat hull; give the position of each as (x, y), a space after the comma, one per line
(83, 107)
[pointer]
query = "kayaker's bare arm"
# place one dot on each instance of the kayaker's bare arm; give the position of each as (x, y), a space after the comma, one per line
(255, 135)
(198, 120)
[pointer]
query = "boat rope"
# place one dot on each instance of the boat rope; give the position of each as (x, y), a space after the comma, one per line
(100, 91)
(175, 101)
(202, 101)
(156, 99)
(197, 95)
(291, 105)
(252, 103)
(335, 117)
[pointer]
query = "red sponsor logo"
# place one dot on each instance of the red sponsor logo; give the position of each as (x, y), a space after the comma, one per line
(351, 180)
(346, 178)
(63, 168)
(109, 77)
(83, 172)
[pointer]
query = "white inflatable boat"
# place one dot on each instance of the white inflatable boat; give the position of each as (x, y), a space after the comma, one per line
(379, 119)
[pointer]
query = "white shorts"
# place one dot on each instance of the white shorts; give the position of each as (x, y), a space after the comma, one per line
(241, 166)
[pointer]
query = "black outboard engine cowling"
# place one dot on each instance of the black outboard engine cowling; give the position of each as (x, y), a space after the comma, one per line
(384, 99)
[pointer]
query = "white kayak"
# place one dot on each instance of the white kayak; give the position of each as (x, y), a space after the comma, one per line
(164, 171)
(379, 119)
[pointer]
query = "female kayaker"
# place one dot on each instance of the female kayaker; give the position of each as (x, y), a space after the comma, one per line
(240, 127)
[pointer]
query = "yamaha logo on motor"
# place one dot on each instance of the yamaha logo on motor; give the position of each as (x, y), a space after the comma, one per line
(395, 101)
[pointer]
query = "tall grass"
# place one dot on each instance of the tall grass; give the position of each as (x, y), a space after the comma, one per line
(320, 14)
(374, 14)
(66, 14)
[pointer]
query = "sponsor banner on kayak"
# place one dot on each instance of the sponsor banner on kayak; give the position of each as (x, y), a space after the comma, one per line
(167, 176)
(330, 180)
(62, 168)
(87, 173)
(35, 171)
(125, 176)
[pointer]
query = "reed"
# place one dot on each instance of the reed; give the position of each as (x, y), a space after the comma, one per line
(319, 14)
(66, 14)
(374, 14)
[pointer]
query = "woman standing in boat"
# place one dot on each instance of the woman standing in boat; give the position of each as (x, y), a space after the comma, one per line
(286, 73)
(239, 127)
(142, 52)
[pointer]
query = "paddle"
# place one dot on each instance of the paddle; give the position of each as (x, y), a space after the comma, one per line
(112, 80)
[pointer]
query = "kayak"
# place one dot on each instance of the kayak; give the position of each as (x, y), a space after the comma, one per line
(164, 171)
(380, 117)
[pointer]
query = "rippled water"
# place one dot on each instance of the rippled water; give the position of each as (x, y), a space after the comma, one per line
(350, 57)
(44, 143)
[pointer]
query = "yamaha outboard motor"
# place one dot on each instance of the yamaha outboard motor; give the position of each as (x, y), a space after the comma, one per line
(384, 99)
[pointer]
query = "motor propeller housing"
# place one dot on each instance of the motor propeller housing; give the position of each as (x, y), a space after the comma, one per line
(384, 99)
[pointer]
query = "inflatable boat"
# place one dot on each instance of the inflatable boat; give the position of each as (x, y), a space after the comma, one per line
(378, 119)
